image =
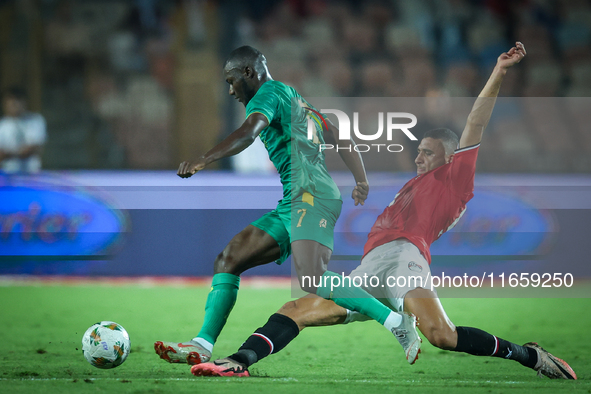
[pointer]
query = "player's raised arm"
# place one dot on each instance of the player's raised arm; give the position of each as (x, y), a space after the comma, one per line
(353, 161)
(483, 107)
(233, 144)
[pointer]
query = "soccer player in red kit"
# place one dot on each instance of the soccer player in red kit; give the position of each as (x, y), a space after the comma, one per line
(398, 246)
(432, 202)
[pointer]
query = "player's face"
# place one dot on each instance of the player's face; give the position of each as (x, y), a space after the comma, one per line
(239, 87)
(431, 154)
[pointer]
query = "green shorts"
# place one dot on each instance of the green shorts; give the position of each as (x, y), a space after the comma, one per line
(308, 218)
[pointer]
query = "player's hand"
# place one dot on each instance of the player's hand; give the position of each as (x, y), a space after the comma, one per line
(187, 168)
(512, 57)
(360, 193)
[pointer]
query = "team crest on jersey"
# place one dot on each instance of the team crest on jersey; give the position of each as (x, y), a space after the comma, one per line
(323, 223)
(415, 267)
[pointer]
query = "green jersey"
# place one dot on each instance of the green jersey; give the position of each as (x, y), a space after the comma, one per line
(297, 158)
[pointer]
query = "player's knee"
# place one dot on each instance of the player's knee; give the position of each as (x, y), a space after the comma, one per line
(227, 263)
(441, 337)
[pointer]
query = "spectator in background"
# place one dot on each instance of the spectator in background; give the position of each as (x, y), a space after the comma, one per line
(22, 134)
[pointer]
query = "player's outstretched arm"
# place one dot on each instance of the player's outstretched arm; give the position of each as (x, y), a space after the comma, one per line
(483, 107)
(353, 161)
(233, 144)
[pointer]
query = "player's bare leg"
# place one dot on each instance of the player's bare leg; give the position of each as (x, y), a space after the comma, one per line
(249, 248)
(433, 321)
(313, 311)
(442, 333)
(310, 260)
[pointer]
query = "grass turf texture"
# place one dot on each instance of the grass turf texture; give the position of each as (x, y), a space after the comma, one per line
(42, 328)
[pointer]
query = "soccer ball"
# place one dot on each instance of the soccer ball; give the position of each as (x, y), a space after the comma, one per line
(106, 345)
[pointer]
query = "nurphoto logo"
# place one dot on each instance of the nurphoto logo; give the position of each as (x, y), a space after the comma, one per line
(395, 121)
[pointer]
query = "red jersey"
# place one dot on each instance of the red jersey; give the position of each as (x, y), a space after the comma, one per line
(428, 205)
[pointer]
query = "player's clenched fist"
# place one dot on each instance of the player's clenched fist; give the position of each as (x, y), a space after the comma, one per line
(187, 168)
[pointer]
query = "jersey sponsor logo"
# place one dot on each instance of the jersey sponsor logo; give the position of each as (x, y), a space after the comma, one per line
(322, 223)
(415, 267)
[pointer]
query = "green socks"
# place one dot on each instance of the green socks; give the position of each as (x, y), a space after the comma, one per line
(220, 301)
(345, 294)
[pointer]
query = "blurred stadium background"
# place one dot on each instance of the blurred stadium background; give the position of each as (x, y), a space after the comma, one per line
(130, 89)
(137, 84)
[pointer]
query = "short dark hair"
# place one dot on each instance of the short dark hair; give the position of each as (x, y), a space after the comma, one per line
(449, 139)
(247, 56)
(16, 92)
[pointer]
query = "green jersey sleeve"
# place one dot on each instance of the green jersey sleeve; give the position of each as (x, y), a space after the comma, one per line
(265, 102)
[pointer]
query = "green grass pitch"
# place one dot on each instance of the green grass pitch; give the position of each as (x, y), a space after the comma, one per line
(42, 328)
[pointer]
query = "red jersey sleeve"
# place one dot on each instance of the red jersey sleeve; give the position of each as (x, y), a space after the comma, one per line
(463, 168)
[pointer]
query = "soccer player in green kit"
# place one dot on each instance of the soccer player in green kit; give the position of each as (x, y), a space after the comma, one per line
(303, 222)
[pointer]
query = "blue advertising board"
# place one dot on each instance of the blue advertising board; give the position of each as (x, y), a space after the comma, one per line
(154, 223)
(48, 218)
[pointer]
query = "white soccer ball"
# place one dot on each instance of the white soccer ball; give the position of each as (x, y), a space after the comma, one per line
(106, 345)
